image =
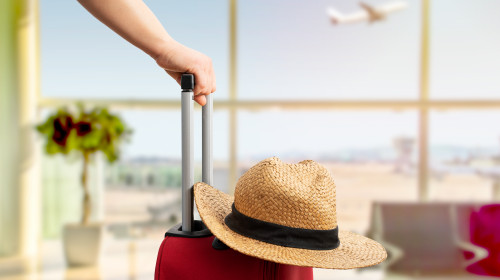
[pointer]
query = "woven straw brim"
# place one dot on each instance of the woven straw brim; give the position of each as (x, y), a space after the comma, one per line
(355, 251)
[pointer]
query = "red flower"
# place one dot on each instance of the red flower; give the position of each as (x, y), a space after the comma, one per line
(62, 128)
(83, 128)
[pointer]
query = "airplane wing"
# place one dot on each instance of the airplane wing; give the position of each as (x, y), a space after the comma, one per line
(373, 13)
(392, 7)
(337, 18)
(368, 8)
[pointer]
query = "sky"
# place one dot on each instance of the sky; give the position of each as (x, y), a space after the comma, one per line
(288, 50)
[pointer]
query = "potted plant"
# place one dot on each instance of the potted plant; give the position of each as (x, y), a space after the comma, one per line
(84, 133)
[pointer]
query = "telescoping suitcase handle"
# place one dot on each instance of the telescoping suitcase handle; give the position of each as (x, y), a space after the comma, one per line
(187, 85)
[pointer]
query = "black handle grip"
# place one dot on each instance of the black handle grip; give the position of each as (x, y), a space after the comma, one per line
(187, 81)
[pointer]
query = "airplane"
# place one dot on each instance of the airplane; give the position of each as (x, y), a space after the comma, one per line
(368, 13)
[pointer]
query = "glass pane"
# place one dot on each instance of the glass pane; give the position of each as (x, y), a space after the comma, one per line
(464, 155)
(465, 51)
(82, 58)
(362, 151)
(143, 189)
(157, 133)
(293, 51)
(62, 192)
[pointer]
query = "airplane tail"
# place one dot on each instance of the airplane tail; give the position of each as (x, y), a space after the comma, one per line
(335, 16)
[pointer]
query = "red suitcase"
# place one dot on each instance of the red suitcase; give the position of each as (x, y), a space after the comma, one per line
(188, 250)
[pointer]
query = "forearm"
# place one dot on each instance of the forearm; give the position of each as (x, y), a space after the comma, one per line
(132, 20)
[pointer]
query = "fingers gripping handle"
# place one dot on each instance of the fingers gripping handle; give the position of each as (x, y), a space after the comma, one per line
(187, 85)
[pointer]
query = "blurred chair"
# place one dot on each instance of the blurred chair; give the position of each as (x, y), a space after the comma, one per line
(422, 238)
(461, 218)
(485, 232)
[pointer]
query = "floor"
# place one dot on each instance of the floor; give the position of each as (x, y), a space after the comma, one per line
(129, 259)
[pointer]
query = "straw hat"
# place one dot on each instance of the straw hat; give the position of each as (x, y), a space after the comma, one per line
(285, 213)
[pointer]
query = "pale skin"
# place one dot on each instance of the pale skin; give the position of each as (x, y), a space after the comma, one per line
(136, 23)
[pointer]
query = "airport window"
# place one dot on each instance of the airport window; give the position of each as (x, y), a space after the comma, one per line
(301, 78)
(402, 110)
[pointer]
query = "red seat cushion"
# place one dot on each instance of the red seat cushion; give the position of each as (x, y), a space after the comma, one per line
(485, 232)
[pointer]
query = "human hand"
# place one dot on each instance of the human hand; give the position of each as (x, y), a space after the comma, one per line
(177, 59)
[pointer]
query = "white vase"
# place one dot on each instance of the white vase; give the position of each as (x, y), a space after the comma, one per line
(82, 244)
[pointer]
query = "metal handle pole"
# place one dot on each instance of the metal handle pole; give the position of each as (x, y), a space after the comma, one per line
(187, 84)
(207, 162)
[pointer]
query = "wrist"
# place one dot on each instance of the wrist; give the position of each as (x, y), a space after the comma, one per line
(162, 47)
